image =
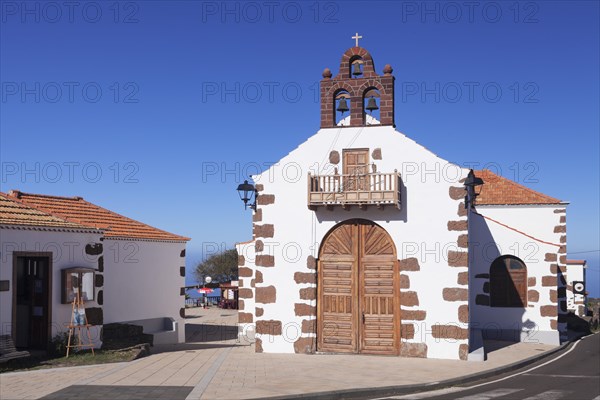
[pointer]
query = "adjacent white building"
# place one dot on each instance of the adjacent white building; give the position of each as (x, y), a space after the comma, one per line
(52, 246)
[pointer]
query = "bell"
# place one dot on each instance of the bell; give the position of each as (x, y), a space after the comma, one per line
(356, 69)
(372, 105)
(343, 105)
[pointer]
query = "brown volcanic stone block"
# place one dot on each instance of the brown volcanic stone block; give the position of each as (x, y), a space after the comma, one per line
(269, 327)
(548, 311)
(462, 211)
(560, 229)
(241, 261)
(264, 260)
(266, 295)
(548, 280)
(241, 304)
(258, 346)
(259, 311)
(463, 351)
(553, 295)
(259, 277)
(463, 313)
(259, 246)
(265, 231)
(457, 192)
(305, 277)
(463, 241)
(257, 216)
(305, 345)
(409, 264)
(259, 187)
(245, 318)
(531, 281)
(457, 225)
(404, 282)
(311, 262)
(407, 331)
(449, 332)
(309, 326)
(244, 272)
(409, 299)
(265, 199)
(458, 258)
(245, 293)
(308, 293)
(533, 296)
(463, 278)
(418, 350)
(553, 324)
(409, 315)
(334, 157)
(455, 294)
(550, 257)
(304, 310)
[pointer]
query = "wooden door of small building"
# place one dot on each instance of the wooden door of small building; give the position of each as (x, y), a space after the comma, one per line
(356, 169)
(359, 299)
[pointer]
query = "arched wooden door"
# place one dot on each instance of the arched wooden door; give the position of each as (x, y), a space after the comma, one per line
(359, 298)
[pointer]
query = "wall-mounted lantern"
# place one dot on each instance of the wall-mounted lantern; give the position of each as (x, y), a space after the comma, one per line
(248, 195)
(473, 186)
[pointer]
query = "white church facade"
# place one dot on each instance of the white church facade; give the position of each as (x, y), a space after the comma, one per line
(378, 247)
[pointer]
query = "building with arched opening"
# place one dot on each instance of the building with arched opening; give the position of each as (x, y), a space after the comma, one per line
(375, 246)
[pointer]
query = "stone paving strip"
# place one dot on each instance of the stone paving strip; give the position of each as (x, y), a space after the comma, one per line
(225, 369)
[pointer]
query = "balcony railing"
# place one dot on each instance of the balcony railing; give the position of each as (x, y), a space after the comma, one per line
(376, 189)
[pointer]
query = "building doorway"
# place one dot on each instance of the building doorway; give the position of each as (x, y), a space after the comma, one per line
(32, 276)
(358, 285)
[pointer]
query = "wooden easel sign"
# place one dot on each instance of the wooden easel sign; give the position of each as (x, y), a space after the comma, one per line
(79, 321)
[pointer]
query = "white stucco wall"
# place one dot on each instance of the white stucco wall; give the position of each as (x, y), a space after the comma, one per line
(68, 250)
(419, 230)
(489, 240)
(142, 281)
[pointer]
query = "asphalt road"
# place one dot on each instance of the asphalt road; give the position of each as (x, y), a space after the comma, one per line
(573, 374)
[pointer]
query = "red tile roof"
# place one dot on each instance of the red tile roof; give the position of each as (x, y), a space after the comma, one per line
(16, 213)
(77, 210)
(498, 190)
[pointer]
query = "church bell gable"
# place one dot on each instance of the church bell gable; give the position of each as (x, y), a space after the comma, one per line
(359, 84)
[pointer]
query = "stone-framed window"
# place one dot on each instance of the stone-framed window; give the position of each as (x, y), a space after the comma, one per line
(77, 280)
(508, 282)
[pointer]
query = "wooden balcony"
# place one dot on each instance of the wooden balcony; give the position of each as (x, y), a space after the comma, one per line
(376, 189)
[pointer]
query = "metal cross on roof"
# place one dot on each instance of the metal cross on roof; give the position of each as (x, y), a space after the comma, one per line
(356, 38)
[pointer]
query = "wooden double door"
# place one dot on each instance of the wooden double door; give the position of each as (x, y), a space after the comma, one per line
(358, 291)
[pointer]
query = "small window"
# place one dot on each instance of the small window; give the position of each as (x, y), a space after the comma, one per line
(77, 280)
(508, 282)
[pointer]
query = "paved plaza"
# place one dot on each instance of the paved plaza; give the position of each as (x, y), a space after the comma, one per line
(213, 364)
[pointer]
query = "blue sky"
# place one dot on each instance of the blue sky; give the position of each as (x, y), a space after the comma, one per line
(157, 110)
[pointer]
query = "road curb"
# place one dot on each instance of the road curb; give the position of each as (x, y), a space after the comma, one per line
(425, 387)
